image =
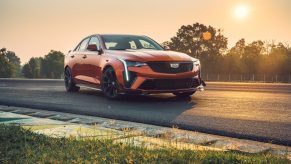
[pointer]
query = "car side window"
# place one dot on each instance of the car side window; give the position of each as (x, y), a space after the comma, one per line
(95, 40)
(83, 45)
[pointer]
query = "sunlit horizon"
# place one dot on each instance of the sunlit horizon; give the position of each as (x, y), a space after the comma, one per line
(32, 28)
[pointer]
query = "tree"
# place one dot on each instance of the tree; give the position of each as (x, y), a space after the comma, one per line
(15, 60)
(27, 72)
(32, 68)
(2, 51)
(6, 68)
(252, 56)
(166, 43)
(278, 59)
(9, 64)
(52, 65)
(232, 60)
(206, 43)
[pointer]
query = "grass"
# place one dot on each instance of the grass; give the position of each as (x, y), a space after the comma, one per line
(18, 145)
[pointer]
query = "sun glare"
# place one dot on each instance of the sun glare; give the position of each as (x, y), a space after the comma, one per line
(241, 11)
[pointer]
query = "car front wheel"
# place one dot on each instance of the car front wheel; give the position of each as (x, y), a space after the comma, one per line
(110, 84)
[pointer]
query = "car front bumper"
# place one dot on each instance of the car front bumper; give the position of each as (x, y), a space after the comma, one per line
(142, 80)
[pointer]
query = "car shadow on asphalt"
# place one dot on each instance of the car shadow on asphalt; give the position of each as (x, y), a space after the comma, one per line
(141, 98)
(138, 107)
(159, 109)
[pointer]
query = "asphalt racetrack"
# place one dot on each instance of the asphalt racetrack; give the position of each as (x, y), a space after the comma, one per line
(255, 111)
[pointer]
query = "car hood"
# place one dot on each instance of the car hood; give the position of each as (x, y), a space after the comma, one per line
(148, 55)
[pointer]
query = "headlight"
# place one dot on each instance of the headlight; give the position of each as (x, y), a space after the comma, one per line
(134, 64)
(127, 64)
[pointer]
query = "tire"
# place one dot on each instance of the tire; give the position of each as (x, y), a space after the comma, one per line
(109, 84)
(184, 94)
(69, 83)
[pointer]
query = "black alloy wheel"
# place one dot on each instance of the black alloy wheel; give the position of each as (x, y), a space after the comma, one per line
(110, 84)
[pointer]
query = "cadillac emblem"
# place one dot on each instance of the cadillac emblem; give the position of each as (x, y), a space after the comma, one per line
(174, 65)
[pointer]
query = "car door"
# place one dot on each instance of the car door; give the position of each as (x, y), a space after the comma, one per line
(91, 62)
(80, 72)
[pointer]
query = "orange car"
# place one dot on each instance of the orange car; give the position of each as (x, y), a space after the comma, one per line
(130, 64)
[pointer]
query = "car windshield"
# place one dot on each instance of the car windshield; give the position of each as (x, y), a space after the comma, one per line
(125, 42)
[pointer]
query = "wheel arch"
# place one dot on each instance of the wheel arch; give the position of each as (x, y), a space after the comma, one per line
(67, 66)
(106, 67)
(118, 70)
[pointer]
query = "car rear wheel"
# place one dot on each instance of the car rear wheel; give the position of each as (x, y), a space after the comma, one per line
(70, 85)
(110, 84)
(184, 94)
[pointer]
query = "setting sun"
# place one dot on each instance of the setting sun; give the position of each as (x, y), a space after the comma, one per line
(241, 11)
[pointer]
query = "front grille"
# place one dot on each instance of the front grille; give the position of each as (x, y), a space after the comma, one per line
(168, 84)
(165, 67)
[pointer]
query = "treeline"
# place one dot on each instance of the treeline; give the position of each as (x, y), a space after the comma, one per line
(49, 66)
(210, 46)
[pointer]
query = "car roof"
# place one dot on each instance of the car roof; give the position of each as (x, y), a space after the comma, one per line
(116, 35)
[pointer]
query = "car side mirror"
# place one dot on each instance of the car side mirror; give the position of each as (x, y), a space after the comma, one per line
(92, 47)
(166, 48)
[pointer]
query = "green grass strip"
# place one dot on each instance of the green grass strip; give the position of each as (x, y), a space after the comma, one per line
(18, 145)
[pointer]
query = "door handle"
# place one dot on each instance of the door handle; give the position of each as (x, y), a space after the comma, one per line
(85, 56)
(72, 56)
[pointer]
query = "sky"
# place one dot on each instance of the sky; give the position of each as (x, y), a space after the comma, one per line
(31, 28)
